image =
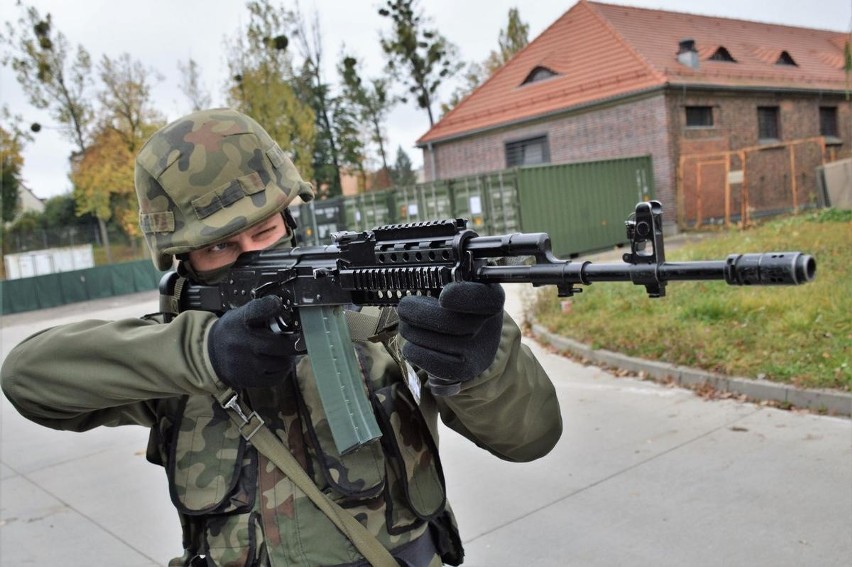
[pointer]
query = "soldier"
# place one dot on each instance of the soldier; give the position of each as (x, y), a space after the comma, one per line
(212, 185)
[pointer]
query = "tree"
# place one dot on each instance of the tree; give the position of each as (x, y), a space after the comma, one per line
(11, 162)
(41, 60)
(418, 56)
(126, 99)
(104, 171)
(331, 128)
(474, 76)
(371, 102)
(403, 174)
(60, 211)
(510, 40)
(350, 132)
(12, 141)
(39, 55)
(191, 87)
(263, 83)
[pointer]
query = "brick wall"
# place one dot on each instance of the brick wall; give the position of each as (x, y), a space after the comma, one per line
(770, 172)
(655, 125)
(632, 129)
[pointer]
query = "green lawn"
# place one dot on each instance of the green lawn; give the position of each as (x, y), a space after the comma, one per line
(800, 335)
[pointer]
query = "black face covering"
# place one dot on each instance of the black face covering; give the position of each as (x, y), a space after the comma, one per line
(218, 275)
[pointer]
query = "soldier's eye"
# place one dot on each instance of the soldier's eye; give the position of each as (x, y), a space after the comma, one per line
(221, 247)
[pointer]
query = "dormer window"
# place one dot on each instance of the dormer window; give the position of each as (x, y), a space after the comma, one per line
(539, 74)
(722, 54)
(786, 59)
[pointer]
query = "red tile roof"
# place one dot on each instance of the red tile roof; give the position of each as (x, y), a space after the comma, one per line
(603, 51)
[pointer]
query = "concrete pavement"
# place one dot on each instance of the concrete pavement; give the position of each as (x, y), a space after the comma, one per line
(644, 475)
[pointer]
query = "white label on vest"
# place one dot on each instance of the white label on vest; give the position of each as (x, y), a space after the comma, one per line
(413, 382)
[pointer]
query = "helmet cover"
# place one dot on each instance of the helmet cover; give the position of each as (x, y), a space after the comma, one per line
(207, 177)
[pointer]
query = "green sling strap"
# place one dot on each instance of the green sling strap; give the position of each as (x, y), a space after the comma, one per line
(254, 430)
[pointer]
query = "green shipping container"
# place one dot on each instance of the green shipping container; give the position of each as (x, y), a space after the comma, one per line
(423, 202)
(583, 206)
(369, 210)
(489, 202)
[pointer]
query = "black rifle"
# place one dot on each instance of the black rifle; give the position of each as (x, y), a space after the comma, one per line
(381, 266)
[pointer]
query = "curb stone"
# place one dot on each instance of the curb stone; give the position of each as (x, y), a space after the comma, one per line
(821, 401)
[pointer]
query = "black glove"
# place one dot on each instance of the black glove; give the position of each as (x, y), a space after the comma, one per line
(454, 337)
(243, 349)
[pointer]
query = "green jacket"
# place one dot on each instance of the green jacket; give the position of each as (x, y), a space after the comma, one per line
(240, 508)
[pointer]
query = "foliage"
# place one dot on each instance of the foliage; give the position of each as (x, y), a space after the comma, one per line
(510, 41)
(61, 211)
(371, 102)
(51, 79)
(106, 138)
(264, 83)
(126, 100)
(191, 87)
(402, 174)
(10, 181)
(104, 173)
(333, 121)
(351, 147)
(11, 162)
(418, 56)
(27, 221)
(800, 335)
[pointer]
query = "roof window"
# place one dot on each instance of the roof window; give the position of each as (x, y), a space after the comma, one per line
(539, 73)
(722, 54)
(786, 59)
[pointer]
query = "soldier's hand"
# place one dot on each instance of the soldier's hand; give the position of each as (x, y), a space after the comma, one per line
(243, 349)
(454, 337)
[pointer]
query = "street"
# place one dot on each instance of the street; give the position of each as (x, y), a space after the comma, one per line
(644, 475)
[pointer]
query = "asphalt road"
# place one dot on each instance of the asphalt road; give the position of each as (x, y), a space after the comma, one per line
(644, 475)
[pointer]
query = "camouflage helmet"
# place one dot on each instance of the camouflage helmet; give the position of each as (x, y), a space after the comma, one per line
(208, 176)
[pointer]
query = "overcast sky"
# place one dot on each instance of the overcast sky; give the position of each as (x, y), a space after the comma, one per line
(159, 33)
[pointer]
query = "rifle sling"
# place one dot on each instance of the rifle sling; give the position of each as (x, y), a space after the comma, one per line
(254, 430)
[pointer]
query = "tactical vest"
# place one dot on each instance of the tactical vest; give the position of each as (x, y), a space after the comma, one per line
(237, 508)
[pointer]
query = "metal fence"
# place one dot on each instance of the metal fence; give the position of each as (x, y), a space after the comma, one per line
(737, 186)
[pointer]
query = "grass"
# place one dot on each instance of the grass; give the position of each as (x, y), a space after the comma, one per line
(800, 335)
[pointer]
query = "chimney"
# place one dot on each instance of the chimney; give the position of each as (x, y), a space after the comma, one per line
(687, 54)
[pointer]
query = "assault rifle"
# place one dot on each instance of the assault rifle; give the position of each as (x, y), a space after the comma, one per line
(381, 266)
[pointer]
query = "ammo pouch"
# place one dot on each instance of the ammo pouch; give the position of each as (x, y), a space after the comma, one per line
(403, 468)
(210, 471)
(212, 482)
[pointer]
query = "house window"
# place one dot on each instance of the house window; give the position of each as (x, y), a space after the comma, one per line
(786, 59)
(538, 74)
(828, 121)
(767, 123)
(722, 54)
(699, 116)
(531, 151)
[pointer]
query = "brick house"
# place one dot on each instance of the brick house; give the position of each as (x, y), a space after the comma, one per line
(737, 115)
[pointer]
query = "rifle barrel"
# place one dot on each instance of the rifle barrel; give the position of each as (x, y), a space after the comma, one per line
(771, 268)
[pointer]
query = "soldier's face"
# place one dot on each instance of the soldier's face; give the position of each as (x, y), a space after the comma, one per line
(223, 253)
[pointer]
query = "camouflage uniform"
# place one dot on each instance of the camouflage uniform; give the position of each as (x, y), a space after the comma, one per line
(238, 508)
